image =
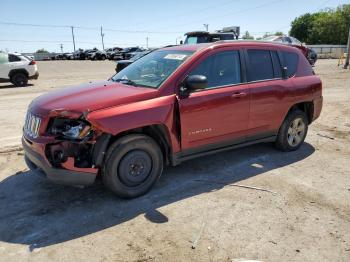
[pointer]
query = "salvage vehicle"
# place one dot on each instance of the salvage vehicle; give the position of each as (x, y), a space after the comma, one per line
(309, 53)
(169, 106)
(17, 69)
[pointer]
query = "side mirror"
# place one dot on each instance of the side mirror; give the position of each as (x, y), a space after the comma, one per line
(181, 42)
(196, 82)
(193, 83)
(284, 72)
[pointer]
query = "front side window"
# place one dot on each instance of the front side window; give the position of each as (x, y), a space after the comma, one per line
(259, 65)
(221, 69)
(153, 69)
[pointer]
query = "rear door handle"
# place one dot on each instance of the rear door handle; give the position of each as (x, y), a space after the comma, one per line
(238, 94)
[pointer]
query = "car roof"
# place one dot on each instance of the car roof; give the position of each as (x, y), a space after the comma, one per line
(197, 47)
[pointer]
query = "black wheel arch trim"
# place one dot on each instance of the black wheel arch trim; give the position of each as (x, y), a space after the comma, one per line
(19, 70)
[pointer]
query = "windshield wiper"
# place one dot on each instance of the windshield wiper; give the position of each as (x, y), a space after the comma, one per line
(130, 82)
(125, 81)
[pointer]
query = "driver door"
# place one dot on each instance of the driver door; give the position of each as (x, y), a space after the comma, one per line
(217, 115)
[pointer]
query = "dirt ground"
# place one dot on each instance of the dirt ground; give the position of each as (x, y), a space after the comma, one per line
(305, 215)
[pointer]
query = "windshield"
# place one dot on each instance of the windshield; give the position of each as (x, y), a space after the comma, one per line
(153, 69)
(138, 56)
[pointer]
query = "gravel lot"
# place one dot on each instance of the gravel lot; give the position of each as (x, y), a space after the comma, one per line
(305, 215)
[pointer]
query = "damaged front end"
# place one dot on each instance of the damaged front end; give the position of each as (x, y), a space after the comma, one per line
(75, 139)
(68, 148)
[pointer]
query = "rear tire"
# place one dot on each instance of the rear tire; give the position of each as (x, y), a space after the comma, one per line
(293, 131)
(19, 79)
(133, 165)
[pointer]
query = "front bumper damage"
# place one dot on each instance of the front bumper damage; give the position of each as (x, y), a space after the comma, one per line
(66, 174)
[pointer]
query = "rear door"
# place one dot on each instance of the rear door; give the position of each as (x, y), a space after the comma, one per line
(268, 92)
(220, 112)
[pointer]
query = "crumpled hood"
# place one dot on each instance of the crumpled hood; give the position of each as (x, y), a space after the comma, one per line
(89, 97)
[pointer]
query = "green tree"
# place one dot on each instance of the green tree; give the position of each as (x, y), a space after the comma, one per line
(328, 26)
(42, 50)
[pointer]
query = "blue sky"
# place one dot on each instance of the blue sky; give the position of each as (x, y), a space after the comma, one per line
(165, 21)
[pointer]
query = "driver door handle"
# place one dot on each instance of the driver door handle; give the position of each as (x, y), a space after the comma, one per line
(238, 94)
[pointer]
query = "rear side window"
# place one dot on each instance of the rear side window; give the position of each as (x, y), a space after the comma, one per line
(260, 65)
(14, 58)
(220, 69)
(291, 62)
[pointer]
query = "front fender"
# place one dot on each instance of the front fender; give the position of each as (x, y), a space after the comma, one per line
(159, 110)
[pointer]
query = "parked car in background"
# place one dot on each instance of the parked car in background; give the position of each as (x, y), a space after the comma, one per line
(112, 51)
(121, 64)
(126, 53)
(17, 69)
(77, 54)
(227, 33)
(170, 106)
(310, 54)
(63, 56)
(86, 55)
(98, 55)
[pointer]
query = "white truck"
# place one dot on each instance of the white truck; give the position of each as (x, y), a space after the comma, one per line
(17, 69)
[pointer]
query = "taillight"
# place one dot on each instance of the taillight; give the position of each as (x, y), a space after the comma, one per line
(32, 62)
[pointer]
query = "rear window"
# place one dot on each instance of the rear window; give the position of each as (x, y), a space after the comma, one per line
(291, 62)
(260, 65)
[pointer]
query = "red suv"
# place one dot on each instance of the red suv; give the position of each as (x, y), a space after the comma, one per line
(172, 105)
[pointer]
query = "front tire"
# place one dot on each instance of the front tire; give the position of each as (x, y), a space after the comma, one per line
(133, 165)
(293, 131)
(19, 79)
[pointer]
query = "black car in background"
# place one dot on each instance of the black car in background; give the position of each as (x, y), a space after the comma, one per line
(98, 55)
(86, 54)
(126, 53)
(121, 64)
(112, 51)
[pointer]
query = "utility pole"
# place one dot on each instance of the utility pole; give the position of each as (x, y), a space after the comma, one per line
(147, 42)
(61, 48)
(346, 64)
(102, 36)
(206, 27)
(73, 37)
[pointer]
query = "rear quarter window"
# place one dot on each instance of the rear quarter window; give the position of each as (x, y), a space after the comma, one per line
(291, 62)
(14, 58)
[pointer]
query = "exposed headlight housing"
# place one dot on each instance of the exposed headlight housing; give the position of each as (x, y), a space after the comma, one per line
(69, 128)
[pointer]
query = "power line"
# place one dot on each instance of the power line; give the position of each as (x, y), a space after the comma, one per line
(91, 28)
